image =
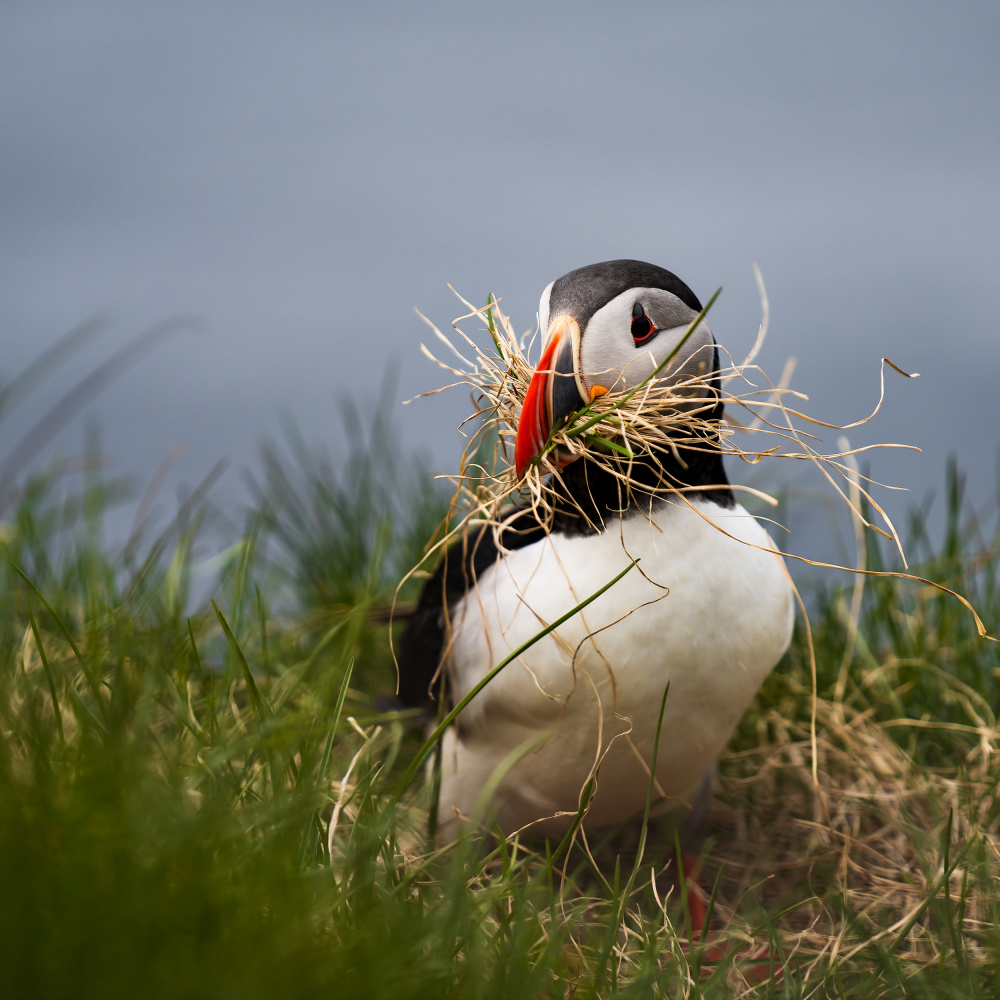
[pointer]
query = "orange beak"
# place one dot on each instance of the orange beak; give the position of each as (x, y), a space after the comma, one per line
(552, 394)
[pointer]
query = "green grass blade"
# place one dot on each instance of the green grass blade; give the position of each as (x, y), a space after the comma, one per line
(207, 682)
(585, 796)
(611, 444)
(649, 788)
(84, 666)
(48, 674)
(324, 763)
(260, 706)
(490, 302)
(335, 718)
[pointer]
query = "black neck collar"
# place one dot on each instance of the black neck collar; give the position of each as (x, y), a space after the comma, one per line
(591, 495)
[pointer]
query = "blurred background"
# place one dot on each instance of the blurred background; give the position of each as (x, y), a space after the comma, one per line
(289, 182)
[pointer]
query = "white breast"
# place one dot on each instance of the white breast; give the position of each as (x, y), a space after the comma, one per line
(708, 610)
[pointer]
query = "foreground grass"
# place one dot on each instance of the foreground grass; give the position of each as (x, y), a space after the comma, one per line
(202, 804)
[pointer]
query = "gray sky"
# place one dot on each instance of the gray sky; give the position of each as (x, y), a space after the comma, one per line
(302, 176)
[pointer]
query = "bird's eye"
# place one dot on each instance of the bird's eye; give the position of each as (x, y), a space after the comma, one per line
(642, 329)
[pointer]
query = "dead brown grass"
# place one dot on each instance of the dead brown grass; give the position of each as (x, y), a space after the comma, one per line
(864, 858)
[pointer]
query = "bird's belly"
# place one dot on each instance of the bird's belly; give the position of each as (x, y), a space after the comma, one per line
(707, 613)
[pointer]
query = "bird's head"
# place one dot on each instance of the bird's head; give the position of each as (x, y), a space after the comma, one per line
(607, 328)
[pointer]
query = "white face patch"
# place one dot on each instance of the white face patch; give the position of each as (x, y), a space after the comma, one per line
(610, 358)
(543, 311)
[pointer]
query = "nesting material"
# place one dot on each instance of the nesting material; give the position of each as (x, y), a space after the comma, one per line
(620, 430)
(854, 861)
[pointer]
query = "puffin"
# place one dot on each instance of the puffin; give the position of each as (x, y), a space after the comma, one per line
(568, 727)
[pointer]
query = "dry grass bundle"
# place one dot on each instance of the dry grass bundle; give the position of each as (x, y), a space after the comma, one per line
(620, 431)
(880, 856)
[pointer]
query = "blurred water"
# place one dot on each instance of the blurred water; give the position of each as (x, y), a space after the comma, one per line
(301, 178)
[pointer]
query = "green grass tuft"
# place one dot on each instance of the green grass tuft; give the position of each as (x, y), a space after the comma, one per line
(170, 769)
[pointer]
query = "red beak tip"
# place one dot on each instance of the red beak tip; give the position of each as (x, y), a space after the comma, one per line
(536, 420)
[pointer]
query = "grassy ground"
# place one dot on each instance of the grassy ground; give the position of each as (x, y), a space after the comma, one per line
(204, 802)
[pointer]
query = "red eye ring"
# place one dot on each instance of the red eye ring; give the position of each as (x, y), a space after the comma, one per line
(642, 327)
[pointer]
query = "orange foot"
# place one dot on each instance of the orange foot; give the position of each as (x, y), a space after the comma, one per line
(697, 909)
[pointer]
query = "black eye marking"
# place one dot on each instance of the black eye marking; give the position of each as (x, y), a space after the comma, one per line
(642, 328)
